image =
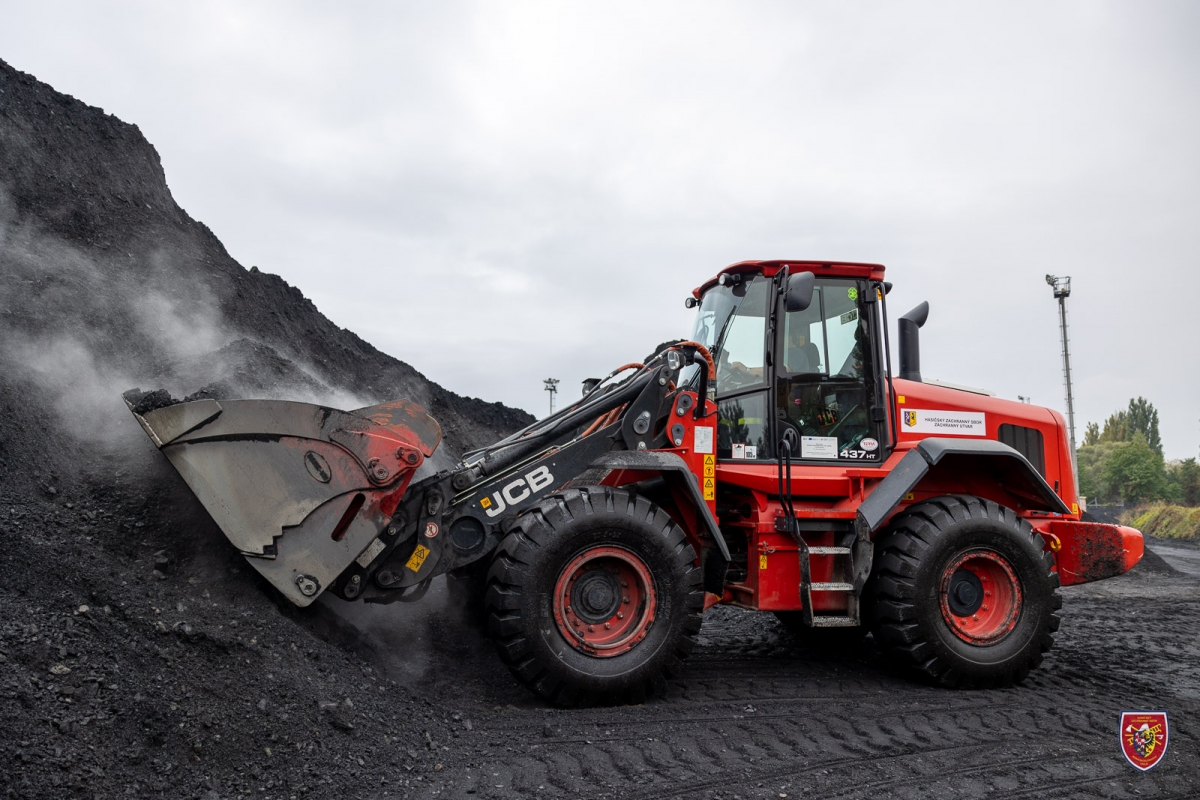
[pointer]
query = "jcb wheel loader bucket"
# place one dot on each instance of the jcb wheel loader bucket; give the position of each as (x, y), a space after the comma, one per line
(301, 490)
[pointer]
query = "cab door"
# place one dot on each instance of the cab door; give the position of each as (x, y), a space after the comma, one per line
(827, 381)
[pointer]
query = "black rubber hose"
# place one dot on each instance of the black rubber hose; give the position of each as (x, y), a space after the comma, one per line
(501, 455)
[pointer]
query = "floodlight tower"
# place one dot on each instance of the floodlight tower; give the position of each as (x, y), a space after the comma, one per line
(552, 388)
(1062, 290)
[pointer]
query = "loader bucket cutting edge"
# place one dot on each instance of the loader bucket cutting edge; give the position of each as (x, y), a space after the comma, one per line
(301, 490)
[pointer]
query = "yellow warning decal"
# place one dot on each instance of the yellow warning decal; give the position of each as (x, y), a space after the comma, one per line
(486, 502)
(1074, 508)
(417, 558)
(900, 398)
(908, 498)
(710, 489)
(762, 561)
(710, 466)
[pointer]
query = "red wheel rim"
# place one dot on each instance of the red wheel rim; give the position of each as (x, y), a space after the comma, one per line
(980, 597)
(604, 601)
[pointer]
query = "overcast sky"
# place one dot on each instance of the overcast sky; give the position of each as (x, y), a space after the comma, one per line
(499, 193)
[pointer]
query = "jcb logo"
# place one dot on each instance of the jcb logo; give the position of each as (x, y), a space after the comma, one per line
(517, 491)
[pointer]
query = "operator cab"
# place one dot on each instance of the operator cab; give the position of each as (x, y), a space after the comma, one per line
(814, 376)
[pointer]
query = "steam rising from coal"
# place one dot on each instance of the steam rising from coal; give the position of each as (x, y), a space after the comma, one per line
(78, 329)
(84, 328)
(404, 639)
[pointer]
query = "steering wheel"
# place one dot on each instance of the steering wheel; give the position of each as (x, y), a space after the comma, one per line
(735, 375)
(833, 431)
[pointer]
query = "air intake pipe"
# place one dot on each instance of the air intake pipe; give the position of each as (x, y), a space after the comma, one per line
(910, 342)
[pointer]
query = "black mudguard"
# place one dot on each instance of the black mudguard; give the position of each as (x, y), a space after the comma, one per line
(1009, 467)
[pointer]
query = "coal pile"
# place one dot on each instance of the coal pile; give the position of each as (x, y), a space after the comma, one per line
(139, 655)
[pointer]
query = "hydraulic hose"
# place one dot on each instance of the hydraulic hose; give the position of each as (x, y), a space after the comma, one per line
(532, 428)
(702, 350)
(607, 406)
(785, 485)
(514, 450)
(603, 421)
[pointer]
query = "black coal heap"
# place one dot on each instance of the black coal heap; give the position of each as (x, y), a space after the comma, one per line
(139, 655)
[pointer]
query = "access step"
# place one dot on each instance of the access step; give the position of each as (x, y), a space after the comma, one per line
(832, 587)
(829, 551)
(834, 622)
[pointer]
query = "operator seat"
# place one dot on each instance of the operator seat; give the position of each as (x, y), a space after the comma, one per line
(805, 358)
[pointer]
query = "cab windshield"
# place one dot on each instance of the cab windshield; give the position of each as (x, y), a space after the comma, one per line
(731, 323)
(713, 313)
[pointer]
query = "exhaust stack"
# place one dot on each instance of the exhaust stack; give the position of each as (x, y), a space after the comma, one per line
(910, 341)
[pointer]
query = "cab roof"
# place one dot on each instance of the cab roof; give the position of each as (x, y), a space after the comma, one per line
(832, 269)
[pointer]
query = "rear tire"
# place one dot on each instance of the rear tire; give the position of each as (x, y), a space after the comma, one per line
(964, 593)
(595, 598)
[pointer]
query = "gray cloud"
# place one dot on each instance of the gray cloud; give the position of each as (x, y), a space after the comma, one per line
(501, 193)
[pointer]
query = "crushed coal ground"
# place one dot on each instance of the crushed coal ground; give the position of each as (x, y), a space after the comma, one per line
(140, 656)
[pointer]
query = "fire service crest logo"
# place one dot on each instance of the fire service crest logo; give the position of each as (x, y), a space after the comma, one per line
(910, 418)
(1144, 737)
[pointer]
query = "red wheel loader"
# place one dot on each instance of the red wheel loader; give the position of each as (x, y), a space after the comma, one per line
(772, 462)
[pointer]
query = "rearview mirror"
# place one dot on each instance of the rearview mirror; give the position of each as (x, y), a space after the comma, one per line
(799, 291)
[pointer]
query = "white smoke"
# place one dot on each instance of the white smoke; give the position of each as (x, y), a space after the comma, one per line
(85, 328)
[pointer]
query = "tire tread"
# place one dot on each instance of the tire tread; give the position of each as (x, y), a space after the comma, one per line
(895, 593)
(512, 570)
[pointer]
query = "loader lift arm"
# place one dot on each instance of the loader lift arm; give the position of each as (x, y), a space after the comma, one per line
(451, 520)
(319, 499)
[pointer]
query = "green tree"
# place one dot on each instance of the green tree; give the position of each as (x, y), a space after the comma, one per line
(1130, 477)
(1116, 429)
(1172, 484)
(1141, 417)
(1189, 481)
(1091, 460)
(1134, 472)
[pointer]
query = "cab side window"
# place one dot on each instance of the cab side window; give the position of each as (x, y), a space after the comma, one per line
(804, 340)
(742, 427)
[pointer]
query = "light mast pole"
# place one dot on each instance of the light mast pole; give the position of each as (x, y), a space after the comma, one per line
(1062, 290)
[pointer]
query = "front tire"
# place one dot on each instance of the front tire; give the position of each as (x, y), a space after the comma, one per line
(964, 593)
(594, 598)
